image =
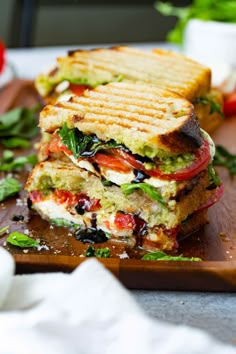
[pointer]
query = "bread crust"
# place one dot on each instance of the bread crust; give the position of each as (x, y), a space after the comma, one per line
(142, 117)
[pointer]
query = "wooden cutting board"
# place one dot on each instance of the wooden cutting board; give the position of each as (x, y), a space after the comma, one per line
(215, 243)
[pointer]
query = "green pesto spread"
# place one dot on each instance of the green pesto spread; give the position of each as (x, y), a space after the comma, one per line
(175, 163)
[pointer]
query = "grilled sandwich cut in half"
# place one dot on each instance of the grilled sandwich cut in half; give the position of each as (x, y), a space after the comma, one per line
(126, 162)
(83, 69)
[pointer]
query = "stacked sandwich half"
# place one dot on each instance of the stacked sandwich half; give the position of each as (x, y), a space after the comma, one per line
(83, 69)
(126, 162)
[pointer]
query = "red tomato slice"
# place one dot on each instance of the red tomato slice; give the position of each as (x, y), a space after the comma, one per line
(219, 191)
(124, 221)
(78, 90)
(200, 162)
(230, 105)
(55, 145)
(36, 196)
(127, 159)
(66, 197)
(2, 56)
(113, 162)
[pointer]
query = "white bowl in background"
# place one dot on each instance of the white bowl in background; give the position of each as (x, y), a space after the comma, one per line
(213, 44)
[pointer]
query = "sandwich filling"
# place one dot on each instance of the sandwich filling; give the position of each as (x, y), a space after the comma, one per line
(144, 216)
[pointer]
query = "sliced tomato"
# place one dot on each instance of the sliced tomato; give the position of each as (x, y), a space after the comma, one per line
(78, 90)
(113, 162)
(66, 197)
(200, 162)
(36, 196)
(230, 105)
(124, 221)
(219, 191)
(55, 145)
(2, 56)
(127, 159)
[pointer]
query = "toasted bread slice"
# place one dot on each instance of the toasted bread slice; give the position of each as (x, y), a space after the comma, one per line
(144, 118)
(98, 66)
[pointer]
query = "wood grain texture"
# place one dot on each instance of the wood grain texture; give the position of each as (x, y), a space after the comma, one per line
(215, 243)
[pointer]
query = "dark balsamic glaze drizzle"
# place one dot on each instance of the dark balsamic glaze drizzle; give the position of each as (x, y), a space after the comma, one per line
(140, 230)
(29, 203)
(90, 235)
(17, 217)
(139, 176)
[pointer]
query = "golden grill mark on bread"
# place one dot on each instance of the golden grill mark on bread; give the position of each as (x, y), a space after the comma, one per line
(150, 117)
(158, 67)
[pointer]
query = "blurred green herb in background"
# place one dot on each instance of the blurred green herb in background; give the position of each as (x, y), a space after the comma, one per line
(18, 126)
(206, 10)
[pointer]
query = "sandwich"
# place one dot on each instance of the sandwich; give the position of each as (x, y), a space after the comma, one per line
(127, 163)
(86, 69)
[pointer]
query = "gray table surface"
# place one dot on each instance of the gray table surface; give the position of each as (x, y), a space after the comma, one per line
(213, 312)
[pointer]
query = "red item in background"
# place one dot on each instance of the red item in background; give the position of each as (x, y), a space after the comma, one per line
(230, 105)
(2, 56)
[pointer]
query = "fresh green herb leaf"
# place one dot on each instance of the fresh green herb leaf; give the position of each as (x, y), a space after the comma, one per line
(215, 10)
(70, 139)
(103, 252)
(84, 145)
(64, 223)
(161, 256)
(128, 188)
(214, 106)
(19, 122)
(214, 180)
(8, 187)
(99, 252)
(21, 240)
(107, 183)
(224, 158)
(15, 142)
(90, 252)
(8, 163)
(119, 78)
(3, 230)
(7, 156)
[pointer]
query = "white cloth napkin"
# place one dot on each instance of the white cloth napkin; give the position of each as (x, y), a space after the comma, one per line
(85, 312)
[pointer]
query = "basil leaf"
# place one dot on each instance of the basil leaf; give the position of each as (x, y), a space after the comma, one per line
(99, 252)
(7, 163)
(161, 256)
(128, 188)
(224, 158)
(7, 156)
(19, 122)
(3, 230)
(103, 252)
(8, 119)
(21, 240)
(214, 106)
(214, 180)
(8, 187)
(15, 142)
(90, 252)
(84, 145)
(64, 223)
(215, 10)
